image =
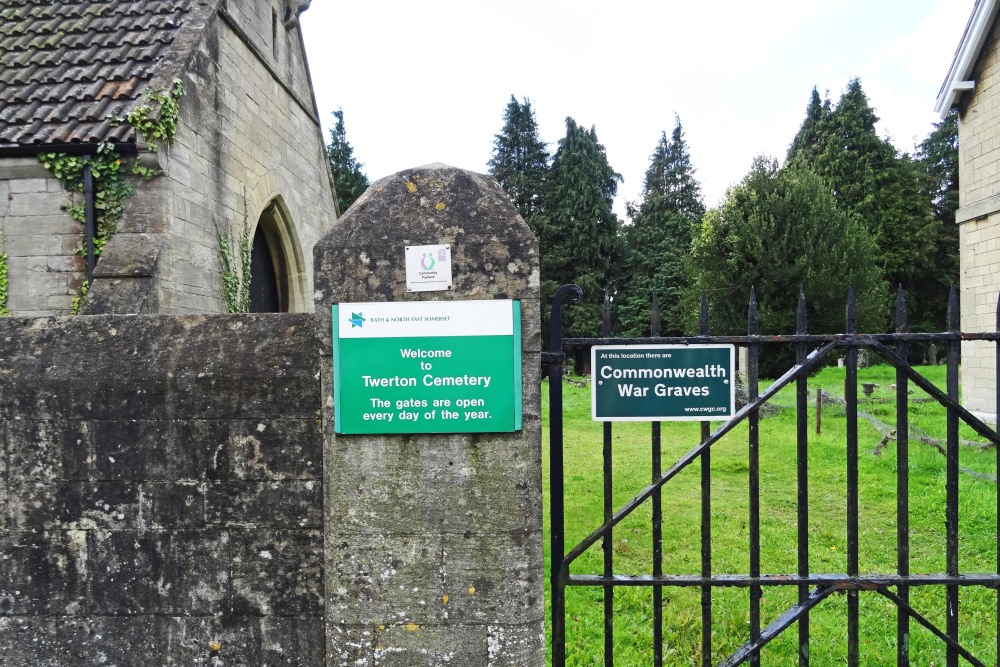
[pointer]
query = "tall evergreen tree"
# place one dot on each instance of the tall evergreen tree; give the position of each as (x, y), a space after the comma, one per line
(659, 239)
(348, 178)
(809, 138)
(579, 232)
(520, 160)
(871, 181)
(937, 157)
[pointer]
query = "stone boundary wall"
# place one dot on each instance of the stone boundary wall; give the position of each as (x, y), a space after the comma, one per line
(160, 491)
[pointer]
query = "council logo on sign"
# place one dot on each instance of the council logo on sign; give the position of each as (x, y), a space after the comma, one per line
(356, 320)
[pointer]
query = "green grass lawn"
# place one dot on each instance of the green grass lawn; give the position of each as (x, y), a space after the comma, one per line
(730, 532)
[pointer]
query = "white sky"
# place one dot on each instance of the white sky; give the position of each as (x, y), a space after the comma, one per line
(428, 82)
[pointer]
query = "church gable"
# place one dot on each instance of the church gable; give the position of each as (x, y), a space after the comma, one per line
(248, 144)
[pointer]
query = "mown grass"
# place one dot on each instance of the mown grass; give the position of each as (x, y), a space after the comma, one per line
(730, 531)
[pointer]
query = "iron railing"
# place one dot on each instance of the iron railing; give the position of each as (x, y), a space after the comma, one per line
(812, 587)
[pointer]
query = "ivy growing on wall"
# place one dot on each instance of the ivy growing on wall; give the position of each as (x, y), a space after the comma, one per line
(161, 128)
(4, 311)
(234, 258)
(111, 188)
(76, 304)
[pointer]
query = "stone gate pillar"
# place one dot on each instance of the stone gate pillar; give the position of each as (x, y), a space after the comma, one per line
(433, 540)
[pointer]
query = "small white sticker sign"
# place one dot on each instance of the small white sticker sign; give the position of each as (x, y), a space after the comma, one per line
(428, 268)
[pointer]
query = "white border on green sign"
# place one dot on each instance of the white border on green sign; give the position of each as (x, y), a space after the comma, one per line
(636, 348)
(479, 318)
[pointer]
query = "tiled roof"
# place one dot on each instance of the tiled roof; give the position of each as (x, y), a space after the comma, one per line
(66, 65)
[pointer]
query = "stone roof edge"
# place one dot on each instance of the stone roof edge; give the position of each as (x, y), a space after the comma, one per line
(319, 121)
(309, 79)
(966, 55)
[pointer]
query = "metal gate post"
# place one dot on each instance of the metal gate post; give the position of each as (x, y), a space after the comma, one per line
(555, 361)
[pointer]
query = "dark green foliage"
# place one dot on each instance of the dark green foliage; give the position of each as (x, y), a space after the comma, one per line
(777, 230)
(579, 232)
(520, 161)
(659, 239)
(938, 155)
(882, 189)
(348, 178)
(808, 139)
(937, 158)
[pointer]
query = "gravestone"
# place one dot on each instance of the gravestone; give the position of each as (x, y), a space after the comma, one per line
(434, 540)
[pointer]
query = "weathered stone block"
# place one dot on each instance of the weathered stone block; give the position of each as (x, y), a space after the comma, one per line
(405, 644)
(294, 641)
(123, 641)
(159, 573)
(27, 185)
(172, 505)
(446, 484)
(245, 640)
(4, 481)
(28, 640)
(265, 504)
(273, 449)
(433, 579)
(42, 572)
(130, 295)
(98, 505)
(41, 454)
(278, 573)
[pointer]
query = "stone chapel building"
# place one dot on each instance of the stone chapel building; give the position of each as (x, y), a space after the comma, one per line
(249, 142)
(973, 88)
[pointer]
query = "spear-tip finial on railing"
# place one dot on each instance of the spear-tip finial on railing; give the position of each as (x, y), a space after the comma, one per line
(703, 329)
(569, 294)
(902, 326)
(654, 315)
(852, 310)
(606, 315)
(801, 318)
(998, 312)
(953, 319)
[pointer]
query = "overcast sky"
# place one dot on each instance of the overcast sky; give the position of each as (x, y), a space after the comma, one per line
(428, 82)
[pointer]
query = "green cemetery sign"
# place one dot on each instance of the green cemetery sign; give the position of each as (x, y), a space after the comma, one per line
(662, 382)
(427, 367)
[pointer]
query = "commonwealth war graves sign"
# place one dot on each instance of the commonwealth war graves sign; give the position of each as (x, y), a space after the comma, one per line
(662, 382)
(427, 367)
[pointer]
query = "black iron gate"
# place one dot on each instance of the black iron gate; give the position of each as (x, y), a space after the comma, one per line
(812, 587)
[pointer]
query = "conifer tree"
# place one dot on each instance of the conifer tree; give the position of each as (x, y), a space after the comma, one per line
(579, 232)
(348, 178)
(659, 239)
(777, 230)
(520, 160)
(871, 181)
(808, 140)
(937, 158)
